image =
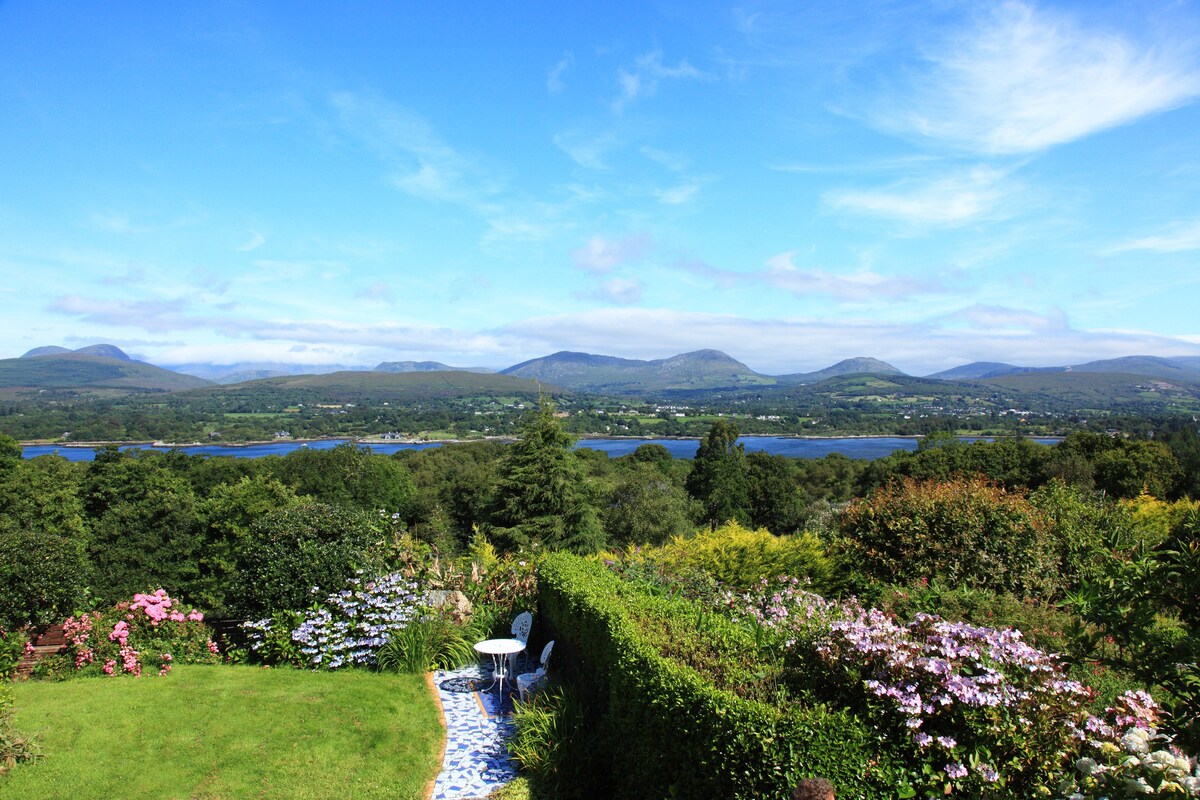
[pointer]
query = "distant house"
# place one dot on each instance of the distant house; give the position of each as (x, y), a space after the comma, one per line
(283, 434)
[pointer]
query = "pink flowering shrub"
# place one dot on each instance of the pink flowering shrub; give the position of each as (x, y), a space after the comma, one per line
(975, 711)
(153, 632)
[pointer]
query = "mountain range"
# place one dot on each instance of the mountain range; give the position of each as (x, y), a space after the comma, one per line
(107, 368)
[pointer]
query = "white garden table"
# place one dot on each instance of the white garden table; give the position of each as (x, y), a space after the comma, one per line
(499, 650)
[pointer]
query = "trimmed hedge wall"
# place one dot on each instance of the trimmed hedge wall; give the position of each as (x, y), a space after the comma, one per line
(664, 728)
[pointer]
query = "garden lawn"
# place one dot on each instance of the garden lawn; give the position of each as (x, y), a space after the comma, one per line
(229, 732)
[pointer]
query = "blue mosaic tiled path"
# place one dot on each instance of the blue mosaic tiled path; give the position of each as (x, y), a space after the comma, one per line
(476, 761)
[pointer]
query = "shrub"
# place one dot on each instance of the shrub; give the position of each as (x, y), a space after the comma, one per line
(12, 647)
(346, 629)
(739, 557)
(153, 632)
(663, 727)
(962, 531)
(981, 712)
(292, 550)
(42, 576)
(1128, 757)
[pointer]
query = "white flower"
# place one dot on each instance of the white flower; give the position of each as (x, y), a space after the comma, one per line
(1136, 740)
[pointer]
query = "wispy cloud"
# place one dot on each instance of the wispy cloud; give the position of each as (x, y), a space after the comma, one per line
(679, 194)
(617, 291)
(377, 293)
(587, 149)
(994, 319)
(643, 78)
(602, 255)
(134, 276)
(256, 241)
(155, 316)
(1022, 79)
(672, 161)
(111, 222)
(954, 199)
(554, 81)
(1180, 237)
(424, 165)
(859, 286)
(781, 272)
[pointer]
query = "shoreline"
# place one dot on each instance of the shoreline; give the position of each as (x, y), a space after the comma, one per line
(584, 437)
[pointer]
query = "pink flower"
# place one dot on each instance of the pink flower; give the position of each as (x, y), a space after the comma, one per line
(195, 616)
(212, 648)
(109, 666)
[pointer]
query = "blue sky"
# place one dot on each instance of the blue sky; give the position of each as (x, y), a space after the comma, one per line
(478, 184)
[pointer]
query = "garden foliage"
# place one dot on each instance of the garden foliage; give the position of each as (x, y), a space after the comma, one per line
(663, 682)
(963, 531)
(149, 634)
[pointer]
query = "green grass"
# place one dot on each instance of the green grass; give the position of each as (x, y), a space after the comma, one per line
(229, 732)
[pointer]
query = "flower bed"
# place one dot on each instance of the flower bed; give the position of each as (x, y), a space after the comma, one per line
(151, 633)
(979, 711)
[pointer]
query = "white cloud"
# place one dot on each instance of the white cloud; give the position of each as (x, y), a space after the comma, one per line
(604, 255)
(1025, 79)
(1180, 237)
(424, 165)
(954, 199)
(642, 79)
(554, 81)
(378, 293)
(586, 149)
(256, 241)
(672, 161)
(860, 286)
(678, 195)
(619, 291)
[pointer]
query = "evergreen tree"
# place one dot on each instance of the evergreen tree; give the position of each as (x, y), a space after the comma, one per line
(718, 479)
(541, 496)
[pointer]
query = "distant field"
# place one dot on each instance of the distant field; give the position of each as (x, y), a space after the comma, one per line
(229, 732)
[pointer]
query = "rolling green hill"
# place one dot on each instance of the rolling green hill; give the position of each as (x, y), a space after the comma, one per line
(701, 370)
(375, 387)
(74, 374)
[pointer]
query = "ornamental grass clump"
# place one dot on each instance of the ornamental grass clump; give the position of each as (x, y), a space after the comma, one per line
(348, 627)
(151, 633)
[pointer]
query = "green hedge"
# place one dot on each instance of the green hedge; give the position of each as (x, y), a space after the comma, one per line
(665, 728)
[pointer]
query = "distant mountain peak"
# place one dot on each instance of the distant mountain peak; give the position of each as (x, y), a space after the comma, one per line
(425, 366)
(97, 350)
(48, 350)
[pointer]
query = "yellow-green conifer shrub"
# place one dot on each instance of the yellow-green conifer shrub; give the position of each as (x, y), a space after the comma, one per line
(741, 557)
(1155, 518)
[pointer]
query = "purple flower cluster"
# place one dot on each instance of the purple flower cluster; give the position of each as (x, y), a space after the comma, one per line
(785, 605)
(349, 627)
(965, 694)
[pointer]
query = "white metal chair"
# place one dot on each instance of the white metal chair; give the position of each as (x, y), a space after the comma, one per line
(528, 681)
(521, 627)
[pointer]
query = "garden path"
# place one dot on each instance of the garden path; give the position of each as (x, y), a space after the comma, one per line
(476, 762)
